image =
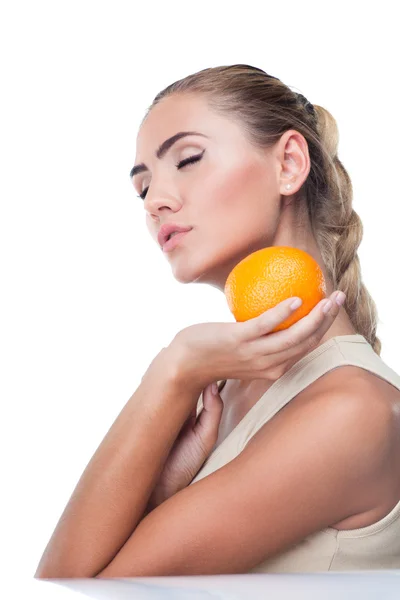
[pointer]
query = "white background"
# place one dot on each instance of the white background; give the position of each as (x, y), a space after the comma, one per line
(87, 298)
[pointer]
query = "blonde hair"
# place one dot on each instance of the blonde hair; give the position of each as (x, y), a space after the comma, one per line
(266, 108)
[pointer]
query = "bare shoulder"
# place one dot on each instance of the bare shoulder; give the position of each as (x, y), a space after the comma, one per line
(368, 409)
(344, 377)
(346, 392)
(379, 401)
(366, 392)
(359, 393)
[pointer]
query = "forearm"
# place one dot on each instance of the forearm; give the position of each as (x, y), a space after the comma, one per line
(113, 492)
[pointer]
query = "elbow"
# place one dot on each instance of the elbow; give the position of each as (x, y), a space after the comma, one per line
(51, 573)
(46, 572)
(42, 575)
(43, 572)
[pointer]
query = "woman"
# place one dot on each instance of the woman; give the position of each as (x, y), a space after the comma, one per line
(294, 465)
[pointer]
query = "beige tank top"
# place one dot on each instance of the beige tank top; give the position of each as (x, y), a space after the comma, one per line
(376, 546)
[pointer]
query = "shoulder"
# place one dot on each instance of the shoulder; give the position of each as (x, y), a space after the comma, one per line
(354, 390)
(346, 407)
(349, 421)
(359, 390)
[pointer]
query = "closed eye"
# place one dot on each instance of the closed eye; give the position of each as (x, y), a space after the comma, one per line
(179, 165)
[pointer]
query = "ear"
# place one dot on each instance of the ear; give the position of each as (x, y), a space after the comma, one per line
(293, 162)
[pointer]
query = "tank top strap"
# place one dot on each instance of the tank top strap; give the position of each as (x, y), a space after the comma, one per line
(343, 350)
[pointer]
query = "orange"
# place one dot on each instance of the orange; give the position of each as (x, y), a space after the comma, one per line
(268, 276)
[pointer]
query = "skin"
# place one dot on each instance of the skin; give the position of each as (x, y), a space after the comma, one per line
(243, 206)
(234, 198)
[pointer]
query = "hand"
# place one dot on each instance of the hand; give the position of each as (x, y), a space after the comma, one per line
(190, 450)
(248, 350)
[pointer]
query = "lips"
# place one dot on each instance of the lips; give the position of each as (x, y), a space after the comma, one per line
(167, 229)
(174, 241)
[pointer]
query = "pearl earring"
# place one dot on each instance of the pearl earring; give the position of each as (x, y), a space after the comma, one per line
(288, 186)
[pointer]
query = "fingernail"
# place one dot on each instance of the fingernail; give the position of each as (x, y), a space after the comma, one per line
(214, 388)
(340, 298)
(296, 303)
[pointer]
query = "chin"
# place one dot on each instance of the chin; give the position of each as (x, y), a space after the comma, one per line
(183, 273)
(183, 278)
(189, 274)
(206, 269)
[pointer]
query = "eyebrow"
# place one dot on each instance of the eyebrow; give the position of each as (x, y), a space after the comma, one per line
(163, 149)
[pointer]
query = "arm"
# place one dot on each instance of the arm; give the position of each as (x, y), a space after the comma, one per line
(112, 494)
(311, 466)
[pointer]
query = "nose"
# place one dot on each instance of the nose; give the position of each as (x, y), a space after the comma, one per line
(154, 201)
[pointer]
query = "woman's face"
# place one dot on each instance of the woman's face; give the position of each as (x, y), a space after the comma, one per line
(230, 197)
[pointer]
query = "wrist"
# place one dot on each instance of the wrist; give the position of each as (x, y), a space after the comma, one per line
(171, 367)
(183, 373)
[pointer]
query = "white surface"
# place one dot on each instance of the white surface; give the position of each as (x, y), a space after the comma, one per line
(87, 298)
(373, 585)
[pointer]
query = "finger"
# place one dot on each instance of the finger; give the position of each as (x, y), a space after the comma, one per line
(267, 321)
(303, 335)
(210, 417)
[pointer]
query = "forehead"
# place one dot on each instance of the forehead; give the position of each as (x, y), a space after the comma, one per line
(179, 112)
(188, 112)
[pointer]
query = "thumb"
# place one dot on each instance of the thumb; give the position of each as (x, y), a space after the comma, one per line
(210, 416)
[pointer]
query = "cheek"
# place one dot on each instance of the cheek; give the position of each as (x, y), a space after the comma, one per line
(242, 198)
(152, 227)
